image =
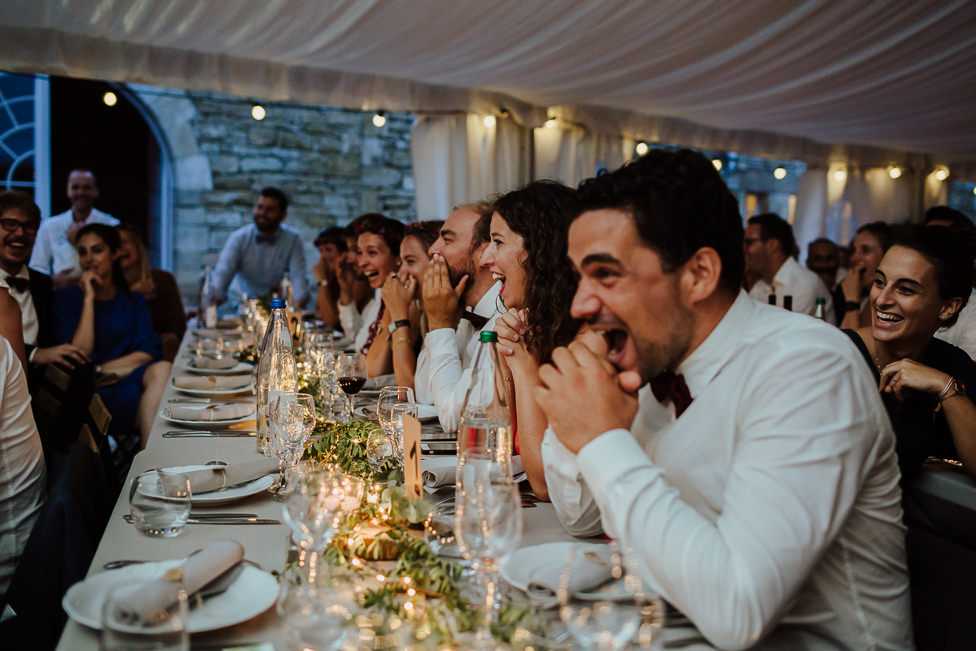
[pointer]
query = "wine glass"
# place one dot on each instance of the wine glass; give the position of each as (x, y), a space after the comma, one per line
(390, 407)
(607, 615)
(292, 418)
(488, 527)
(311, 505)
(351, 375)
(382, 455)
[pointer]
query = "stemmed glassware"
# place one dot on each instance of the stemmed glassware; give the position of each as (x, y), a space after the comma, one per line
(381, 454)
(311, 507)
(488, 527)
(292, 419)
(318, 346)
(351, 375)
(392, 404)
(607, 617)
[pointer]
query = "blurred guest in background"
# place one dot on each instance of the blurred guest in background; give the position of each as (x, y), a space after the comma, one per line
(823, 259)
(869, 246)
(769, 246)
(257, 256)
(19, 221)
(158, 287)
(113, 326)
(378, 255)
(54, 253)
(963, 332)
(928, 385)
(331, 244)
(527, 252)
(403, 324)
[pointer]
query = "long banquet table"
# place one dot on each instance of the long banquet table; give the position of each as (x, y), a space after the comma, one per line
(266, 545)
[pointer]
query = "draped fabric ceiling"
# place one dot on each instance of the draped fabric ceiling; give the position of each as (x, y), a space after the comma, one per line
(867, 83)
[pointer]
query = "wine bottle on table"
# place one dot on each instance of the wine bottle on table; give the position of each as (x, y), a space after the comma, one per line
(207, 307)
(277, 371)
(486, 417)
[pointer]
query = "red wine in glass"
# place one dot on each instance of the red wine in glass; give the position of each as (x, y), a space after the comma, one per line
(351, 384)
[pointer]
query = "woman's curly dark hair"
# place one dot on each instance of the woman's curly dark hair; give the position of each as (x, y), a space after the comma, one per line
(426, 232)
(541, 213)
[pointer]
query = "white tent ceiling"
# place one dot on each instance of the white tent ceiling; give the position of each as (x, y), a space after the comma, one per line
(818, 79)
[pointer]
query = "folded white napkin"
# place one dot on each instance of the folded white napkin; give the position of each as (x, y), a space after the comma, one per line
(591, 568)
(218, 332)
(155, 597)
(219, 363)
(441, 470)
(215, 478)
(212, 382)
(205, 413)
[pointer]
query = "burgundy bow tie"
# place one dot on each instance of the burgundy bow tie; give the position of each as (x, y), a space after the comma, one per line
(18, 284)
(476, 320)
(668, 386)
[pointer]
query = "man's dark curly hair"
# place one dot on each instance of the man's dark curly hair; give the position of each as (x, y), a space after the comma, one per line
(541, 213)
(679, 204)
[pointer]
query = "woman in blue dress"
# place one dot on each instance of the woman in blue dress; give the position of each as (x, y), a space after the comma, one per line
(113, 325)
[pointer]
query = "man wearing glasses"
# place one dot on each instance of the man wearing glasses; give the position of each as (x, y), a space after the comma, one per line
(19, 221)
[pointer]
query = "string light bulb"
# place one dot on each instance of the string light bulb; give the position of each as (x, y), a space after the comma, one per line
(894, 172)
(974, 189)
(840, 175)
(550, 123)
(717, 164)
(379, 120)
(641, 148)
(489, 121)
(258, 112)
(110, 98)
(779, 173)
(941, 173)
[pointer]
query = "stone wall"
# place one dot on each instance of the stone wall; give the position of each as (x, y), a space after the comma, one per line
(332, 163)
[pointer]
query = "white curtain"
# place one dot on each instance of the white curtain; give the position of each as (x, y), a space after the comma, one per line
(875, 196)
(571, 154)
(821, 209)
(457, 159)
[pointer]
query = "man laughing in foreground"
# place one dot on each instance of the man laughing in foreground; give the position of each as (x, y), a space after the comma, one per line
(759, 491)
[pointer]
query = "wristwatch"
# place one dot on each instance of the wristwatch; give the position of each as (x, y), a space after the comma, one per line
(324, 282)
(399, 323)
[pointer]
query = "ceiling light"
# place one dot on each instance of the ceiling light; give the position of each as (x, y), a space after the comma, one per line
(717, 164)
(489, 121)
(941, 172)
(550, 123)
(641, 148)
(894, 172)
(110, 98)
(379, 120)
(779, 173)
(258, 112)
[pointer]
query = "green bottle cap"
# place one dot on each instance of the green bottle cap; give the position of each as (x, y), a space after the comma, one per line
(821, 300)
(488, 336)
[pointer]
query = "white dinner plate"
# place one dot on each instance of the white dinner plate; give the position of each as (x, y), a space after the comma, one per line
(165, 413)
(215, 393)
(240, 369)
(517, 568)
(253, 487)
(213, 333)
(251, 594)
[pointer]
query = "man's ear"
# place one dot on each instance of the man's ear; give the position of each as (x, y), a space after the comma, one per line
(700, 275)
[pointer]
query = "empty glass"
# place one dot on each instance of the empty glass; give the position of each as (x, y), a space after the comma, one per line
(382, 455)
(312, 502)
(159, 502)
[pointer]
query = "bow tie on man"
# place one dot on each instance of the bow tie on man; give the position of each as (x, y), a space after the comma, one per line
(18, 284)
(476, 320)
(668, 386)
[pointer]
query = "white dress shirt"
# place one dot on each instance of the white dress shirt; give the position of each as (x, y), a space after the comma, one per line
(28, 314)
(770, 511)
(802, 284)
(443, 372)
(21, 464)
(255, 267)
(354, 321)
(53, 253)
(963, 331)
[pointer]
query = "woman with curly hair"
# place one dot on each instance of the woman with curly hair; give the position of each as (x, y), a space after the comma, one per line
(527, 252)
(403, 324)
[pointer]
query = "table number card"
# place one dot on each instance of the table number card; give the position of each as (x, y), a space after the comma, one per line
(412, 477)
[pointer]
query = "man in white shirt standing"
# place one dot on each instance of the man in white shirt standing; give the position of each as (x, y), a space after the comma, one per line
(460, 299)
(769, 248)
(760, 495)
(54, 252)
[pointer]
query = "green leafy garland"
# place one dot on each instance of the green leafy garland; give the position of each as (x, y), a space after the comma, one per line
(420, 578)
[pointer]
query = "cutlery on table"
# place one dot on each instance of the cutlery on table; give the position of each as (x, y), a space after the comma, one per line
(210, 401)
(203, 433)
(221, 520)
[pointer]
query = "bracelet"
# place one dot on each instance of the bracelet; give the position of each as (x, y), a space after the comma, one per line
(852, 306)
(401, 340)
(952, 386)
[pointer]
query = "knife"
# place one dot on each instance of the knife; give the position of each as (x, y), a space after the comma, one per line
(220, 520)
(202, 433)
